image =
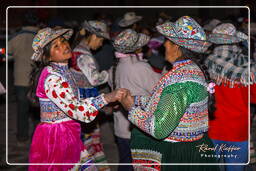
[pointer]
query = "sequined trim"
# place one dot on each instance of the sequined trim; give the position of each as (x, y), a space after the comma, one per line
(193, 123)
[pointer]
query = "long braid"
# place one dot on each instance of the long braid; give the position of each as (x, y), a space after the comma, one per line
(199, 61)
(211, 100)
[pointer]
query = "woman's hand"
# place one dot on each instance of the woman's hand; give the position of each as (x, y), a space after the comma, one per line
(127, 101)
(116, 95)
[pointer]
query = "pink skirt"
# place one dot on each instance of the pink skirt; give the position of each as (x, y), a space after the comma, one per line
(56, 143)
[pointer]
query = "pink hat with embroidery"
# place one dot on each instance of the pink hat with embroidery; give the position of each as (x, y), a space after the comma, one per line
(226, 33)
(44, 37)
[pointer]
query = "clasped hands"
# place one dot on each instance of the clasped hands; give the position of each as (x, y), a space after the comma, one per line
(122, 95)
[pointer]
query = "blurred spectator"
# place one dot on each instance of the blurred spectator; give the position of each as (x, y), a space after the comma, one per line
(130, 20)
(134, 74)
(228, 67)
(87, 76)
(20, 47)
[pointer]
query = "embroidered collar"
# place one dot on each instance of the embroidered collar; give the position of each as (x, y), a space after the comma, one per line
(175, 64)
(60, 66)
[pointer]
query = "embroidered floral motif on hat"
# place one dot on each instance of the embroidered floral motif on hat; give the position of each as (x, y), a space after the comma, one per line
(129, 19)
(226, 33)
(45, 36)
(97, 27)
(129, 41)
(185, 32)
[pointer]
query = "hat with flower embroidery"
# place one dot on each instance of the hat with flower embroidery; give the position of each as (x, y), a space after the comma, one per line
(129, 19)
(226, 33)
(129, 41)
(185, 32)
(96, 27)
(45, 36)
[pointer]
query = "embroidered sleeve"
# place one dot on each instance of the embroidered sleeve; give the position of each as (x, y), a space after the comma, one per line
(61, 94)
(174, 100)
(141, 101)
(88, 66)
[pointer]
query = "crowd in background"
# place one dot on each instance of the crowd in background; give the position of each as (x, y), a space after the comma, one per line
(105, 62)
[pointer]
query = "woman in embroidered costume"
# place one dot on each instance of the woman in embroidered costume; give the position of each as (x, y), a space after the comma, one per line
(133, 73)
(175, 115)
(228, 67)
(57, 138)
(87, 76)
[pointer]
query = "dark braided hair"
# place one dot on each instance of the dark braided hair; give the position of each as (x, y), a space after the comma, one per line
(37, 67)
(199, 61)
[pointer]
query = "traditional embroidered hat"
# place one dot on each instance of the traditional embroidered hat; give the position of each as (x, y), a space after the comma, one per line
(96, 27)
(226, 33)
(129, 19)
(228, 65)
(45, 36)
(129, 41)
(185, 32)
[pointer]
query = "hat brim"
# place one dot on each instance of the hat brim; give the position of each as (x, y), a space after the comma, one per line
(224, 38)
(92, 30)
(66, 33)
(126, 23)
(199, 46)
(142, 41)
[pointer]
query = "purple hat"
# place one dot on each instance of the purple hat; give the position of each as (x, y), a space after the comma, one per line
(45, 36)
(129, 41)
(226, 33)
(185, 32)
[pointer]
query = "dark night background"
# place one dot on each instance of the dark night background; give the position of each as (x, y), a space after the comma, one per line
(15, 16)
(80, 14)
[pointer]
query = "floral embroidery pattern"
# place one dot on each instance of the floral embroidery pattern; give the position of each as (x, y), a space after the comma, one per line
(62, 93)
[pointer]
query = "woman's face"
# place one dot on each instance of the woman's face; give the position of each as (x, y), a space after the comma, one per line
(95, 42)
(172, 52)
(60, 50)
